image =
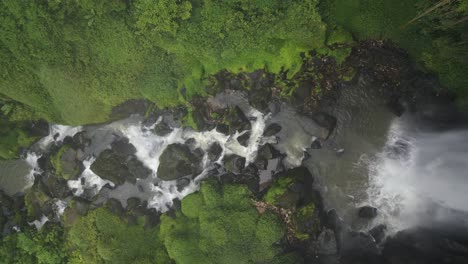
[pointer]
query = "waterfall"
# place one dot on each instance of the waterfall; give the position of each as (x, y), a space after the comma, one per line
(420, 178)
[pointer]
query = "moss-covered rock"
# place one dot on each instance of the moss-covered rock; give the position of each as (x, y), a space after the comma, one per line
(66, 162)
(177, 161)
(291, 189)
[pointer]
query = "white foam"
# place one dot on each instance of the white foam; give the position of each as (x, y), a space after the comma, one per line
(62, 132)
(425, 183)
(39, 223)
(31, 159)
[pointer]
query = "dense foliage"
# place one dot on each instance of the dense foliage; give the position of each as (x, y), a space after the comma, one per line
(72, 61)
(221, 225)
(32, 246)
(433, 32)
(102, 237)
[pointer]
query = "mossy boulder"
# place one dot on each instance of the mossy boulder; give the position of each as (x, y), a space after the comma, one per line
(291, 189)
(178, 161)
(67, 162)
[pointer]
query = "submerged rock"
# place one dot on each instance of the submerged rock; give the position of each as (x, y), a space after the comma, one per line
(178, 161)
(367, 212)
(244, 139)
(325, 120)
(378, 232)
(359, 247)
(271, 130)
(214, 152)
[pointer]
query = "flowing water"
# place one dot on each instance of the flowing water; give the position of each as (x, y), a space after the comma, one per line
(412, 175)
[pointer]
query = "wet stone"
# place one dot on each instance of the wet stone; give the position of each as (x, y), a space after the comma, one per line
(272, 130)
(325, 120)
(162, 129)
(378, 232)
(234, 164)
(244, 139)
(367, 212)
(123, 147)
(223, 128)
(214, 152)
(178, 161)
(117, 168)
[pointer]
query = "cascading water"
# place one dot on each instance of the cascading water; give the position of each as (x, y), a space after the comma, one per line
(420, 178)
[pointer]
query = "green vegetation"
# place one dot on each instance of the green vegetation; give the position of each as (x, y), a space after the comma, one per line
(278, 189)
(433, 32)
(31, 246)
(75, 60)
(102, 237)
(221, 225)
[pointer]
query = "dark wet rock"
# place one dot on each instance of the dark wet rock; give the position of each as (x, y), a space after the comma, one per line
(333, 221)
(426, 246)
(152, 218)
(56, 187)
(378, 232)
(81, 140)
(264, 154)
(274, 107)
(359, 247)
(130, 107)
(249, 179)
(326, 243)
(302, 93)
(316, 144)
(70, 165)
(237, 120)
(118, 168)
(123, 147)
(178, 161)
(38, 128)
(133, 203)
(367, 212)
(271, 130)
(214, 152)
(162, 129)
(325, 120)
(234, 163)
(223, 128)
(244, 139)
(182, 183)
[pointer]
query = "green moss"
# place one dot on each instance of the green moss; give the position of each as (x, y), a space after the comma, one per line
(303, 218)
(278, 189)
(56, 161)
